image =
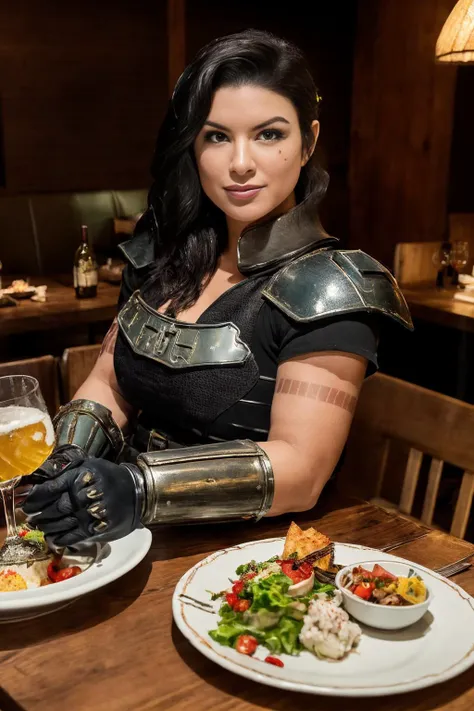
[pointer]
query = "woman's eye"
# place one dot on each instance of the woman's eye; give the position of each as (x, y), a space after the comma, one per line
(215, 137)
(270, 134)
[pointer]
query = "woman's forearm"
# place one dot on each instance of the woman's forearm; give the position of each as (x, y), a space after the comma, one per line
(298, 482)
(100, 390)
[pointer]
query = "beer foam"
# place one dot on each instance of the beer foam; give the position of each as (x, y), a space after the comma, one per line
(14, 417)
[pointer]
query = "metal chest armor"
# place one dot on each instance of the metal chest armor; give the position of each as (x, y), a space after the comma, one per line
(177, 344)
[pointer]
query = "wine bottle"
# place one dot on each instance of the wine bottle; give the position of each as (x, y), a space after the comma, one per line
(86, 274)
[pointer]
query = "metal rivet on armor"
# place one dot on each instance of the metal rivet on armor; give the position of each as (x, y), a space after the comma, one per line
(97, 511)
(210, 480)
(100, 526)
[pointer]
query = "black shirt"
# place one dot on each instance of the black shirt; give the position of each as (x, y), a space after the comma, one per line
(233, 402)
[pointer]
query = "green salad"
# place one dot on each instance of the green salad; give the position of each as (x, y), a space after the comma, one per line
(266, 605)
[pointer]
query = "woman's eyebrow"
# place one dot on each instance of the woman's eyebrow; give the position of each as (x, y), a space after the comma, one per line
(274, 119)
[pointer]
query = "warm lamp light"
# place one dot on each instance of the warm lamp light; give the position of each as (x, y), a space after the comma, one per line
(456, 40)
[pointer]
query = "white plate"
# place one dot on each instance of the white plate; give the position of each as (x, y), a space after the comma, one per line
(434, 649)
(101, 564)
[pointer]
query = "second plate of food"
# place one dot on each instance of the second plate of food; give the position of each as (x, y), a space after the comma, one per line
(100, 565)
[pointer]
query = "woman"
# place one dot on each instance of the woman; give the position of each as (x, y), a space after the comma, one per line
(227, 384)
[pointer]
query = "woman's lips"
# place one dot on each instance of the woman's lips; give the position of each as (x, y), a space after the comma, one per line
(243, 194)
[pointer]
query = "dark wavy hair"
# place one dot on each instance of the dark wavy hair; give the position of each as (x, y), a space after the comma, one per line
(192, 231)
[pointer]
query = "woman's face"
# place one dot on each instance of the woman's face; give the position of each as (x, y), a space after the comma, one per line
(249, 152)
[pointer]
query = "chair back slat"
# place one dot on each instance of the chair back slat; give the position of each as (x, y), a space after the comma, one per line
(76, 364)
(463, 505)
(412, 472)
(434, 478)
(45, 370)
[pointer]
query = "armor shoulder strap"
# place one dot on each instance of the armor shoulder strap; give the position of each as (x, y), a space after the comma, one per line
(140, 250)
(330, 282)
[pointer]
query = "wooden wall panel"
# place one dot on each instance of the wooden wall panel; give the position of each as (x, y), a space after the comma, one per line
(176, 23)
(461, 192)
(402, 108)
(83, 87)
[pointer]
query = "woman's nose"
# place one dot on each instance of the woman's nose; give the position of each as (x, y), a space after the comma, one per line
(242, 161)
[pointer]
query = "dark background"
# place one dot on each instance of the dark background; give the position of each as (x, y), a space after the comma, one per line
(84, 85)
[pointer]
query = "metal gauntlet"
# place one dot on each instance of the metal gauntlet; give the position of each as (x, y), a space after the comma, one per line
(90, 426)
(211, 482)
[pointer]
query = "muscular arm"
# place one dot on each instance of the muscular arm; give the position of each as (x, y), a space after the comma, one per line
(312, 409)
(101, 385)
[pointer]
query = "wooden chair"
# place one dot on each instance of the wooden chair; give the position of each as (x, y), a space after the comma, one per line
(45, 370)
(415, 263)
(76, 364)
(427, 423)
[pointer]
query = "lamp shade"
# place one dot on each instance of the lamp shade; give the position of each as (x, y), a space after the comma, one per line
(456, 41)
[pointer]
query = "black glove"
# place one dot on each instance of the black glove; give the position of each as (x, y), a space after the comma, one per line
(60, 458)
(90, 499)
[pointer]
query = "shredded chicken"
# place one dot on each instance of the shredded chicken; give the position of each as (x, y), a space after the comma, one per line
(327, 630)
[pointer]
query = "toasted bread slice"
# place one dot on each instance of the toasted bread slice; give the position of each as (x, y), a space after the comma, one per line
(305, 542)
(292, 541)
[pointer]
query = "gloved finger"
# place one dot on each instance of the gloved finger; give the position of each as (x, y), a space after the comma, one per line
(42, 495)
(62, 507)
(88, 496)
(61, 525)
(69, 538)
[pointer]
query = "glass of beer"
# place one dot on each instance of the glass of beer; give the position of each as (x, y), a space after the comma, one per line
(26, 441)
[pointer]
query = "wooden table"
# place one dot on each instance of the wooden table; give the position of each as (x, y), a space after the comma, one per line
(60, 310)
(118, 649)
(438, 306)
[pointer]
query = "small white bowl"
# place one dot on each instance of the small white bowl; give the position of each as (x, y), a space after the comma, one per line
(384, 617)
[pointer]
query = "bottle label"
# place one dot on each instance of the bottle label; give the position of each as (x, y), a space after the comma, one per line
(84, 279)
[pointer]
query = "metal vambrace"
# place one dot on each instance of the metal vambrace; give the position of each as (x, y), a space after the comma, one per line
(205, 483)
(90, 426)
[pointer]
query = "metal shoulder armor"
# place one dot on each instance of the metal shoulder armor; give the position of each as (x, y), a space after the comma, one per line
(330, 282)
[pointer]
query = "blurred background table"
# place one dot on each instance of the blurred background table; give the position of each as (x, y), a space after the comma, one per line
(61, 308)
(32, 328)
(438, 306)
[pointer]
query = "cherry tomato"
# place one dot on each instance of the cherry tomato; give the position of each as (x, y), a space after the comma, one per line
(296, 572)
(241, 605)
(365, 573)
(53, 569)
(379, 572)
(248, 576)
(364, 590)
(66, 573)
(22, 533)
(275, 661)
(246, 644)
(231, 599)
(238, 586)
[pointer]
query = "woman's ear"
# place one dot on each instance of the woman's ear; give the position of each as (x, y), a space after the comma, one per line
(307, 154)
